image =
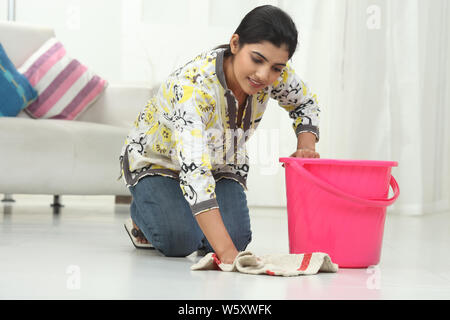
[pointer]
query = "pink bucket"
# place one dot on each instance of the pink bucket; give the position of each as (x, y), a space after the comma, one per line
(338, 207)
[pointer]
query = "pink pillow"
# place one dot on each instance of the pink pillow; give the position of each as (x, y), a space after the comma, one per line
(66, 87)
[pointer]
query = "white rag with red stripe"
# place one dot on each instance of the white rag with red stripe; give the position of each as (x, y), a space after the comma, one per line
(286, 265)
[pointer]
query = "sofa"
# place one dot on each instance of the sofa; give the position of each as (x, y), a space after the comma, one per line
(65, 157)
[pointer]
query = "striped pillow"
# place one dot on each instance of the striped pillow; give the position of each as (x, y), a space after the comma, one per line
(65, 86)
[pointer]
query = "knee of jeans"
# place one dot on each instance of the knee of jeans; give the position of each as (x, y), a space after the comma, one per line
(173, 247)
(176, 250)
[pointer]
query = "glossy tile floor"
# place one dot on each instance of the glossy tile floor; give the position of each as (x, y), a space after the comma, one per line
(84, 253)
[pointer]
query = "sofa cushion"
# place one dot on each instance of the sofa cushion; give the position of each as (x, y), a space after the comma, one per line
(16, 93)
(59, 157)
(66, 87)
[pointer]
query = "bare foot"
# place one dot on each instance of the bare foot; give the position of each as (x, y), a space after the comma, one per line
(139, 238)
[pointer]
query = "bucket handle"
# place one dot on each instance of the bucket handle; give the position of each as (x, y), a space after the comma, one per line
(333, 190)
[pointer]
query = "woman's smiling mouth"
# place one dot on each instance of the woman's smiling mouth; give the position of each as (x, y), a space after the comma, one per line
(255, 84)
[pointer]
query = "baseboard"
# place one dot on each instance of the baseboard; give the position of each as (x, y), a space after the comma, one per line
(123, 199)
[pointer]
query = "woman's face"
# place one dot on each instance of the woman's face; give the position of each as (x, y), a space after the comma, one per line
(257, 65)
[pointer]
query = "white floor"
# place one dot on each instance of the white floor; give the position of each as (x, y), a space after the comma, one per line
(84, 253)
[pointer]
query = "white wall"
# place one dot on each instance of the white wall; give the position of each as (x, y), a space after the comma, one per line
(90, 30)
(4, 10)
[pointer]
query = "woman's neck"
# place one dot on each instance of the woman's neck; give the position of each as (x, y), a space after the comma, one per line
(231, 81)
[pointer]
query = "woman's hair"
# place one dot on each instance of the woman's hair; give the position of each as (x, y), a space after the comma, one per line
(266, 23)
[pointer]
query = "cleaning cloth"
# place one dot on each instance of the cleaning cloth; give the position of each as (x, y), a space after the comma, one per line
(286, 265)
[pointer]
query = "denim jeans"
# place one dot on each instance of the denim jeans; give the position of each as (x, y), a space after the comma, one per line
(160, 210)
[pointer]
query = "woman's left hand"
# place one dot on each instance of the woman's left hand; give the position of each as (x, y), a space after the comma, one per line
(305, 153)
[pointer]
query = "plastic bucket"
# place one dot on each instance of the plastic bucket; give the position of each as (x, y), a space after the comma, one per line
(338, 207)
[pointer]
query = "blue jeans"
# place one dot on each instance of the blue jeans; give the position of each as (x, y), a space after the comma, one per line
(162, 213)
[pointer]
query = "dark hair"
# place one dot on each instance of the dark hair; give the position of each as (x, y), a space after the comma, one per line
(266, 23)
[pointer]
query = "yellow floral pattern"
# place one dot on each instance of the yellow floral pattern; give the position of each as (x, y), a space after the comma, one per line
(182, 131)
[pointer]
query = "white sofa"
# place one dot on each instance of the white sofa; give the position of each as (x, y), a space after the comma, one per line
(61, 157)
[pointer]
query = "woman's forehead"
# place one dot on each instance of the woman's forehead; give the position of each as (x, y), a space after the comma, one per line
(269, 51)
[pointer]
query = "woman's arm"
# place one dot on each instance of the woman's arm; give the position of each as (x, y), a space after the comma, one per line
(306, 146)
(196, 179)
(214, 230)
(294, 96)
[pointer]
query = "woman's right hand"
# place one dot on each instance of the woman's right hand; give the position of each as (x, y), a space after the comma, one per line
(211, 224)
(229, 256)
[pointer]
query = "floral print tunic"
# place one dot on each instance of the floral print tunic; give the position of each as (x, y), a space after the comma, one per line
(189, 130)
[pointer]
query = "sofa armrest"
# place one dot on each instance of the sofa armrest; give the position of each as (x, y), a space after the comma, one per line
(119, 105)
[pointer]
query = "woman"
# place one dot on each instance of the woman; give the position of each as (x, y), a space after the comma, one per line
(184, 160)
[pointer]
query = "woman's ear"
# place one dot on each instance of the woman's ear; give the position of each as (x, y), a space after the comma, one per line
(234, 43)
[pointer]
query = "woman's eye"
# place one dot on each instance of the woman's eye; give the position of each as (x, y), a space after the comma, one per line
(256, 60)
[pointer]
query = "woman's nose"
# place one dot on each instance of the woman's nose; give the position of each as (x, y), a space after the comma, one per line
(263, 75)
